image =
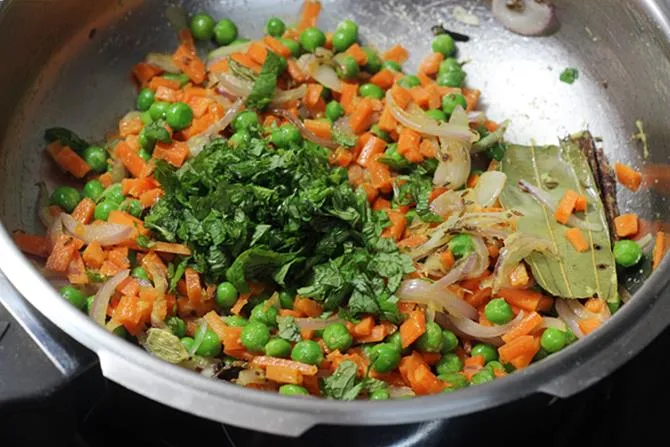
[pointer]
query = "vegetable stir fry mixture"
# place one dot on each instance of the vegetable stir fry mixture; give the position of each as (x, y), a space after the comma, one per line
(296, 213)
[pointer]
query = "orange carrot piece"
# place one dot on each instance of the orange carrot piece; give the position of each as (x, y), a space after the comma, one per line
(257, 52)
(431, 64)
(427, 149)
(401, 96)
(420, 95)
(412, 328)
(32, 244)
(309, 15)
(566, 206)
(480, 297)
(220, 66)
(396, 54)
(522, 345)
(409, 141)
(313, 94)
(627, 176)
(242, 301)
(417, 374)
(186, 58)
(277, 46)
(412, 241)
(160, 81)
(149, 198)
(174, 153)
(341, 157)
(282, 374)
(491, 126)
(172, 248)
(581, 203)
(133, 162)
(381, 204)
(68, 160)
(168, 94)
(383, 78)
(320, 128)
(595, 305)
(364, 327)
(307, 306)
(361, 118)
(527, 300)
(193, 286)
(387, 121)
(263, 361)
(372, 146)
(471, 98)
(94, 255)
(246, 61)
(577, 239)
(589, 325)
(358, 54)
(380, 174)
(347, 95)
(626, 224)
(295, 71)
(397, 227)
(660, 248)
(144, 72)
(61, 255)
(531, 322)
(370, 191)
(519, 276)
(83, 212)
(447, 260)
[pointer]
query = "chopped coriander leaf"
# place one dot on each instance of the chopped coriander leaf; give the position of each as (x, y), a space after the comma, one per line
(569, 75)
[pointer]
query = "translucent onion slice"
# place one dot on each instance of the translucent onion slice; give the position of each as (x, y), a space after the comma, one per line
(284, 96)
(489, 187)
(221, 52)
(250, 376)
(198, 337)
(198, 143)
(517, 247)
(326, 76)
(104, 233)
(571, 320)
(447, 203)
(479, 331)
(423, 292)
(98, 310)
(162, 60)
(552, 322)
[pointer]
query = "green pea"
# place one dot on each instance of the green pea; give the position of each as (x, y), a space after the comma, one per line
(255, 336)
(348, 26)
(482, 376)
(144, 99)
(307, 351)
(66, 197)
(293, 390)
(74, 296)
(570, 337)
(627, 253)
(553, 340)
(93, 189)
(392, 65)
(444, 44)
(461, 245)
(176, 325)
(278, 347)
(449, 64)
(497, 311)
(275, 27)
(334, 111)
(179, 116)
(450, 341)
(370, 90)
(343, 39)
(374, 63)
(346, 66)
(146, 118)
(236, 321)
(158, 110)
(395, 341)
(311, 39)
(225, 32)
(240, 138)
(226, 294)
(496, 152)
(336, 336)
(187, 342)
(89, 303)
(140, 273)
(286, 300)
(376, 130)
(451, 101)
(239, 41)
(133, 207)
(265, 313)
(121, 332)
(614, 305)
(451, 78)
(103, 209)
(449, 363)
(409, 81)
(247, 120)
(487, 351)
(385, 357)
(178, 77)
(291, 45)
(454, 380)
(495, 366)
(382, 394)
(202, 26)
(431, 340)
(436, 114)
(286, 135)
(114, 193)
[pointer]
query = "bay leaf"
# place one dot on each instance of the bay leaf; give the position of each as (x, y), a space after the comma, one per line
(570, 274)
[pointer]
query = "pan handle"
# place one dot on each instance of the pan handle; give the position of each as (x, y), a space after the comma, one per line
(182, 397)
(645, 326)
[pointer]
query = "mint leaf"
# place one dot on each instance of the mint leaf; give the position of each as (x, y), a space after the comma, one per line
(266, 83)
(288, 330)
(67, 138)
(343, 384)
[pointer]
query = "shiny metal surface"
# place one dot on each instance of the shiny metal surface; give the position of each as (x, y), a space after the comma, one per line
(67, 64)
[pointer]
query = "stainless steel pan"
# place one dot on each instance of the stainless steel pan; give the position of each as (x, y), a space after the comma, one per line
(66, 63)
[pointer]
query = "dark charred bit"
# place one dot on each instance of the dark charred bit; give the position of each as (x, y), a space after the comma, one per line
(597, 247)
(92, 33)
(440, 29)
(603, 175)
(602, 266)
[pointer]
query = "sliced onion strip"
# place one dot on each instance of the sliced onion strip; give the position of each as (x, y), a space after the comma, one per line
(104, 233)
(197, 143)
(479, 331)
(423, 292)
(98, 310)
